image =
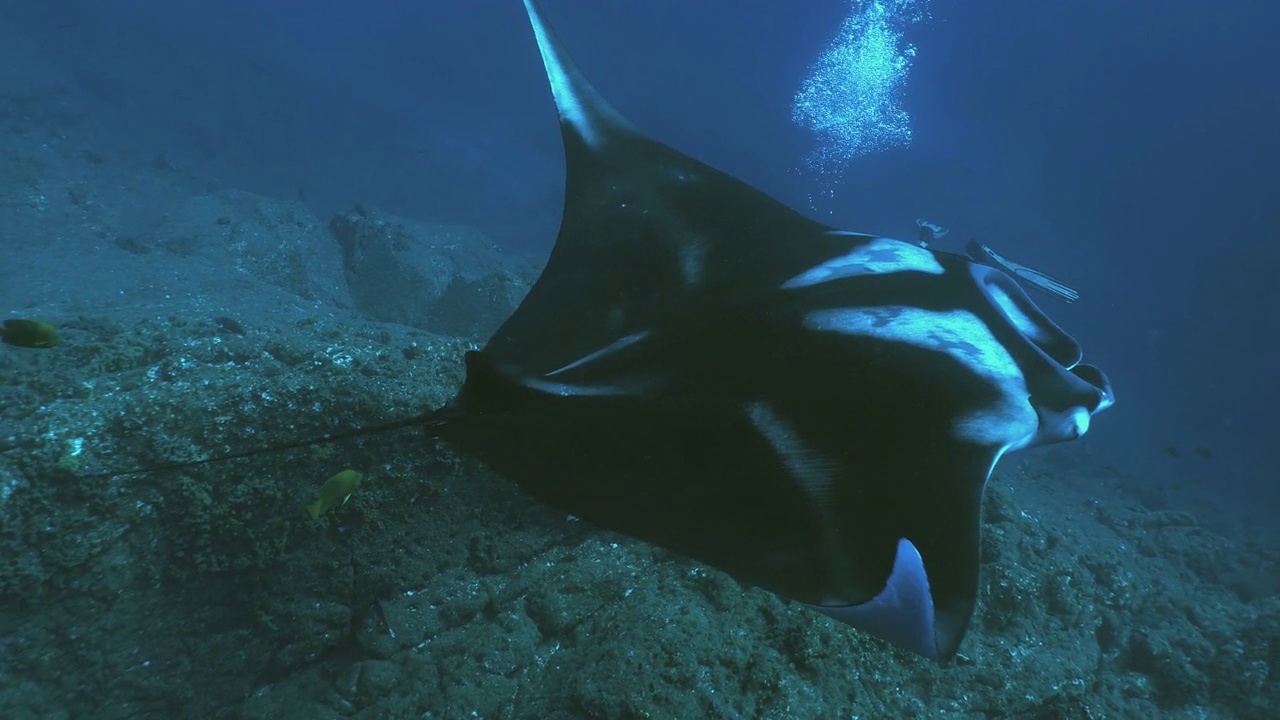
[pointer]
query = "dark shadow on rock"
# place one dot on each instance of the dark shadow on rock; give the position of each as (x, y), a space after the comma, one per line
(447, 279)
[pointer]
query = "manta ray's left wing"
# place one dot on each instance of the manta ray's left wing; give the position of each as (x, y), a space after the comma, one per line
(649, 235)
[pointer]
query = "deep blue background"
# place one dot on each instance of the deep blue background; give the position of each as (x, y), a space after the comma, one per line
(1128, 148)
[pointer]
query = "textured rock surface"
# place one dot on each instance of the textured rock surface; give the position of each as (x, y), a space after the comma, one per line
(443, 278)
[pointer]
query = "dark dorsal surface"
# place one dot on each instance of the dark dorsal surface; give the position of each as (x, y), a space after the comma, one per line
(811, 410)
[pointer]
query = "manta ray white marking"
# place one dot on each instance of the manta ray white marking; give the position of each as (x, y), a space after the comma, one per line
(813, 474)
(812, 471)
(570, 390)
(1010, 422)
(958, 333)
(609, 349)
(1069, 424)
(693, 263)
(878, 257)
(1020, 319)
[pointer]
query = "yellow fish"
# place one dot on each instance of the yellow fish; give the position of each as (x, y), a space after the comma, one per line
(28, 333)
(334, 492)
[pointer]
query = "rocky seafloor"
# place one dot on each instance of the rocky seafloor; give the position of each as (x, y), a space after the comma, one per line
(198, 320)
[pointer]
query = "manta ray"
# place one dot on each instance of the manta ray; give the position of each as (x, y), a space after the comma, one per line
(811, 410)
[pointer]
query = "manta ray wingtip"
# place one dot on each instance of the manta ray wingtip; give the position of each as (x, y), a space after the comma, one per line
(581, 107)
(903, 613)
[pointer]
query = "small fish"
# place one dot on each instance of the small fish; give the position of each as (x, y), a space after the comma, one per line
(382, 617)
(334, 493)
(229, 324)
(28, 333)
